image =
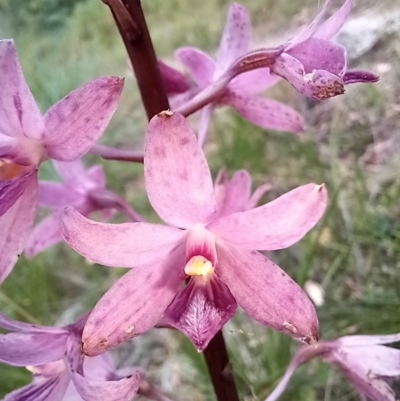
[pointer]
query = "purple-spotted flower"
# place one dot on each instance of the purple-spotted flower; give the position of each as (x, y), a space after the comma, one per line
(54, 356)
(363, 359)
(215, 255)
(84, 190)
(314, 64)
(242, 93)
(66, 132)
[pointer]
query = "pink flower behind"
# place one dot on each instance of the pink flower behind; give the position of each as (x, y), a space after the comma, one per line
(362, 359)
(66, 132)
(214, 252)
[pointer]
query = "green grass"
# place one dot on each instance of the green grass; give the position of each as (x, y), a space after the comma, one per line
(354, 252)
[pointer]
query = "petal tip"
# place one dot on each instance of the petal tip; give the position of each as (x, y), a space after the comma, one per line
(165, 113)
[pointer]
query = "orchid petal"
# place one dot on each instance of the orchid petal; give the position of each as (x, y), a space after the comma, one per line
(95, 176)
(19, 113)
(13, 325)
(267, 293)
(174, 81)
(118, 390)
(118, 245)
(276, 225)
(303, 354)
(364, 340)
(267, 113)
(201, 309)
(310, 29)
(15, 226)
(236, 38)
(24, 349)
(11, 190)
(99, 367)
(378, 359)
(178, 180)
(257, 195)
(320, 54)
(318, 84)
(329, 28)
(362, 377)
(75, 123)
(232, 195)
(147, 291)
(46, 234)
(57, 195)
(204, 124)
(253, 82)
(70, 172)
(359, 76)
(42, 389)
(199, 65)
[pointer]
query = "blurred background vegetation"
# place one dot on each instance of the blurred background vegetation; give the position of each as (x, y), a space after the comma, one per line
(352, 144)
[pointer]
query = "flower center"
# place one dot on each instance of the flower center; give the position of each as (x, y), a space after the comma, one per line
(199, 266)
(10, 170)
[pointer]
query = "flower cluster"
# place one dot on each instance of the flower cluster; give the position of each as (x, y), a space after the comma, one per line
(206, 259)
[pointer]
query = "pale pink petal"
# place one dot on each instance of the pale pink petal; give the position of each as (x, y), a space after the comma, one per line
(365, 340)
(236, 39)
(234, 194)
(310, 29)
(253, 82)
(199, 65)
(266, 113)
(275, 225)
(117, 390)
(318, 84)
(46, 234)
(174, 81)
(320, 54)
(329, 28)
(70, 172)
(177, 176)
(75, 123)
(257, 195)
(204, 124)
(19, 113)
(378, 359)
(95, 176)
(99, 367)
(201, 309)
(304, 354)
(24, 349)
(57, 195)
(368, 384)
(16, 225)
(42, 389)
(134, 304)
(118, 245)
(267, 293)
(13, 325)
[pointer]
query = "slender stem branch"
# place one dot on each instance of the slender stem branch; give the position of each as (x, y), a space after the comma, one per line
(220, 369)
(110, 153)
(141, 53)
(129, 17)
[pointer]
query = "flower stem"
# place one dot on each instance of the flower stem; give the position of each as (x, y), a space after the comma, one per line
(110, 153)
(129, 17)
(220, 369)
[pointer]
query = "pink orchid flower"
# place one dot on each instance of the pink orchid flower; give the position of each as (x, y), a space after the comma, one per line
(84, 190)
(54, 356)
(66, 132)
(215, 255)
(362, 359)
(314, 64)
(242, 92)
